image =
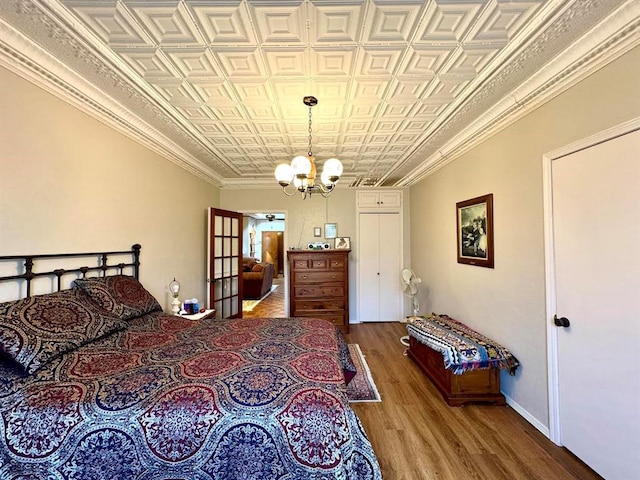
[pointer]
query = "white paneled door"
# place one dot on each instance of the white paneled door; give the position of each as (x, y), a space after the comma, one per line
(596, 225)
(379, 264)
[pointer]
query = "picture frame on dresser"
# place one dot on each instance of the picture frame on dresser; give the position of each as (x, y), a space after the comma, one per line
(474, 221)
(342, 243)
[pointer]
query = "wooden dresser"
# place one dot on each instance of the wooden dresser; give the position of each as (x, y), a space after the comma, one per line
(319, 285)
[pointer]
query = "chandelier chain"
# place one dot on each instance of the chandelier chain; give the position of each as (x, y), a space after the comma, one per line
(310, 154)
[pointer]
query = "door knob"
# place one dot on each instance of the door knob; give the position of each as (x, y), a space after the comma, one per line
(561, 322)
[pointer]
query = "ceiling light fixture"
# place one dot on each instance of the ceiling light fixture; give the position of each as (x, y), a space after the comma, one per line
(302, 170)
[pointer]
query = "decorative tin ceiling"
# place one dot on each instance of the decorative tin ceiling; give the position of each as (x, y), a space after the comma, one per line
(217, 85)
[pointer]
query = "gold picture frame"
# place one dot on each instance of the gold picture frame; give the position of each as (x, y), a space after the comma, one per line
(475, 231)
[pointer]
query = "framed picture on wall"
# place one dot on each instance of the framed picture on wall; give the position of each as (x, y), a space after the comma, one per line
(330, 230)
(317, 231)
(342, 243)
(475, 231)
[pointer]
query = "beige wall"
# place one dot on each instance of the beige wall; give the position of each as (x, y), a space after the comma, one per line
(68, 183)
(303, 215)
(300, 215)
(508, 302)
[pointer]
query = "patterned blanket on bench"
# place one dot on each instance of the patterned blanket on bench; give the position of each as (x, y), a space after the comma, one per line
(463, 349)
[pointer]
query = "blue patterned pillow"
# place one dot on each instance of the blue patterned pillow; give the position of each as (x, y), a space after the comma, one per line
(121, 295)
(35, 330)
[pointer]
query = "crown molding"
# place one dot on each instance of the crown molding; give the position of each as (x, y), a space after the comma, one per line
(613, 37)
(28, 60)
(240, 183)
(271, 183)
(609, 40)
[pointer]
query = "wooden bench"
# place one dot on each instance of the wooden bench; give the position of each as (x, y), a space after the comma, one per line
(433, 338)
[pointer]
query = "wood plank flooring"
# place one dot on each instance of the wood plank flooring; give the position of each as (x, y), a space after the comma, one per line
(417, 436)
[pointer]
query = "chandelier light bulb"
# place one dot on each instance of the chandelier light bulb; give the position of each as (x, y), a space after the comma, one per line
(284, 174)
(301, 166)
(333, 167)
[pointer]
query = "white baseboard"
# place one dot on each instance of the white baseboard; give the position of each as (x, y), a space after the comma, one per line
(527, 416)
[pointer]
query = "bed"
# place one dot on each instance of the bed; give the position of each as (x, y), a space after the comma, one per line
(463, 364)
(96, 382)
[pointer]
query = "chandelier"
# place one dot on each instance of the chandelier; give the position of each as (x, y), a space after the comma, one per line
(302, 170)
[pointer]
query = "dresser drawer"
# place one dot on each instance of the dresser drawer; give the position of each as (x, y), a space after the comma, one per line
(332, 304)
(317, 277)
(338, 263)
(301, 264)
(333, 263)
(336, 319)
(325, 263)
(319, 291)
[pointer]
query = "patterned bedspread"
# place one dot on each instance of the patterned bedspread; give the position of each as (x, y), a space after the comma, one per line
(463, 349)
(170, 398)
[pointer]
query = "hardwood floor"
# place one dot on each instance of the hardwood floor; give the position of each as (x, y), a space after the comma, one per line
(417, 436)
(271, 306)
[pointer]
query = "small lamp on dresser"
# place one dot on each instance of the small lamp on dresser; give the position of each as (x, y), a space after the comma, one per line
(174, 287)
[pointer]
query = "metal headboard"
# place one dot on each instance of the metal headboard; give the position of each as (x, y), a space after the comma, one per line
(101, 258)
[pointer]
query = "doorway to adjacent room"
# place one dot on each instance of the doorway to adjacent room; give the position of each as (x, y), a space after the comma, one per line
(265, 237)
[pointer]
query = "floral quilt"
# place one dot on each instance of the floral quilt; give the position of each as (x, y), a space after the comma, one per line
(169, 398)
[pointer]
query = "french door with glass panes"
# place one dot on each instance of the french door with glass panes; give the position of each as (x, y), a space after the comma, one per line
(224, 257)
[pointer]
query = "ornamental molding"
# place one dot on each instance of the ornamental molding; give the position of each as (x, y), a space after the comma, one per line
(611, 39)
(534, 69)
(25, 58)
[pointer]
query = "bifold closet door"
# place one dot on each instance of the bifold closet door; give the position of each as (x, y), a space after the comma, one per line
(379, 265)
(368, 267)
